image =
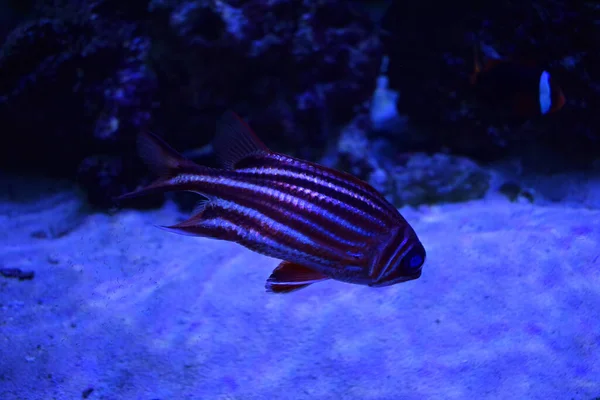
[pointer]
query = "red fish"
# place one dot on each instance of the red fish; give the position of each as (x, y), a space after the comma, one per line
(323, 223)
(511, 87)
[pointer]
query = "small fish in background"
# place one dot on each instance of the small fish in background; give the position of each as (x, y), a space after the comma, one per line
(323, 223)
(516, 88)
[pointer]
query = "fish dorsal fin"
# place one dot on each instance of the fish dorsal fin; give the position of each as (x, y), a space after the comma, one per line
(289, 276)
(235, 141)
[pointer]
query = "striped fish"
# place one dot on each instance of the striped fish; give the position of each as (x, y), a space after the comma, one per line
(324, 224)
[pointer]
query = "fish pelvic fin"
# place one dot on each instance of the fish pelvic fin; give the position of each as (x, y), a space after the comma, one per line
(236, 141)
(163, 161)
(289, 276)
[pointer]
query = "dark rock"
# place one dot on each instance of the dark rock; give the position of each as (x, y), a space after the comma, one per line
(40, 208)
(514, 192)
(17, 273)
(439, 178)
(296, 70)
(408, 178)
(87, 392)
(511, 190)
(78, 79)
(105, 177)
(73, 81)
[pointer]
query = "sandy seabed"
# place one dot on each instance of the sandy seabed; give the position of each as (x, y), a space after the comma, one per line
(508, 307)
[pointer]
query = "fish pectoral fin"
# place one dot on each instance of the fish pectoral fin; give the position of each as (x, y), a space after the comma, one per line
(235, 141)
(289, 276)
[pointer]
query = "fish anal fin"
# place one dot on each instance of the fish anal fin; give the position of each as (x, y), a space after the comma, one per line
(289, 276)
(235, 140)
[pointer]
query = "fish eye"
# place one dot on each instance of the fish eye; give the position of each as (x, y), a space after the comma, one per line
(415, 261)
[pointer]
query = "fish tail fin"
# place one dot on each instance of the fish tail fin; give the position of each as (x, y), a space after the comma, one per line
(163, 161)
(160, 158)
(477, 61)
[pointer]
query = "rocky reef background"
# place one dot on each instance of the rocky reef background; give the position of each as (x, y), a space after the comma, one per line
(379, 89)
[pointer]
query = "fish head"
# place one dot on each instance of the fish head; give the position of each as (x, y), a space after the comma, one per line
(402, 260)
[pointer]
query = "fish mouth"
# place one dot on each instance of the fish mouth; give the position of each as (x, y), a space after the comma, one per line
(417, 275)
(404, 278)
(410, 277)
